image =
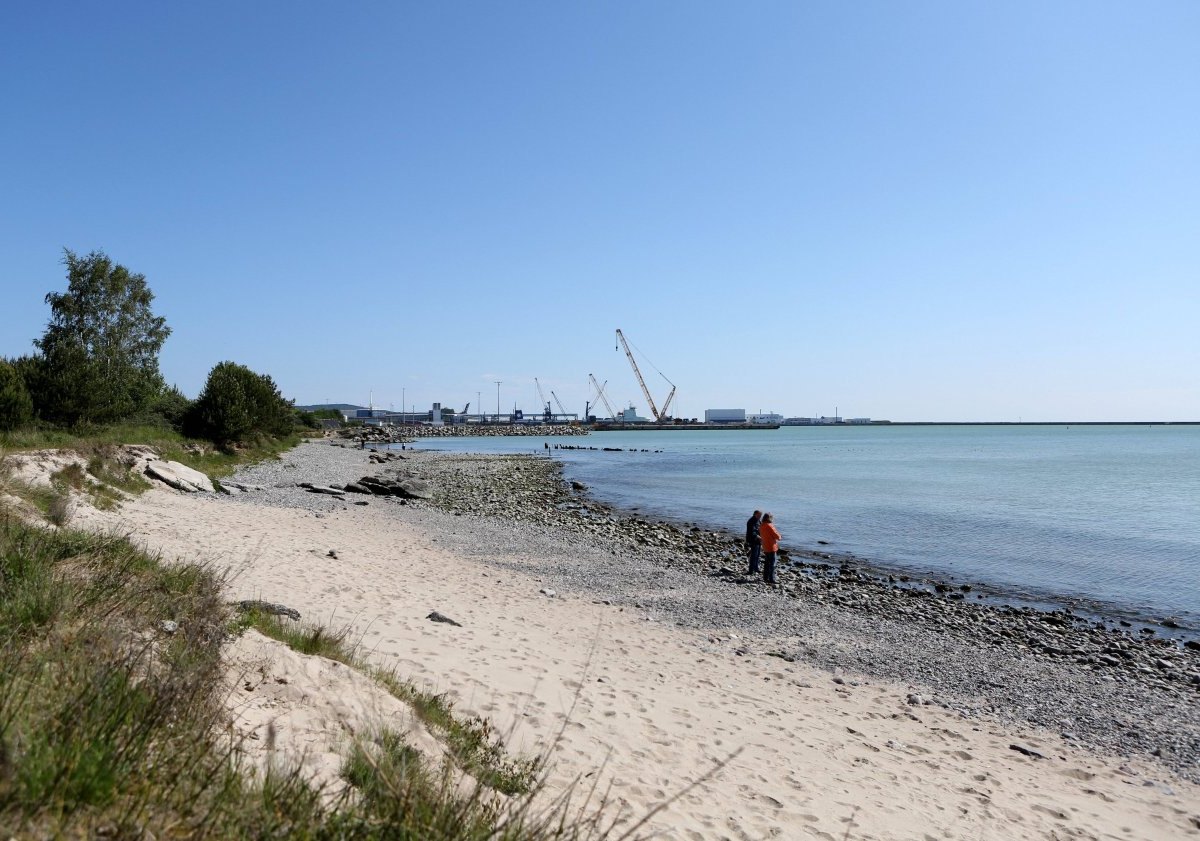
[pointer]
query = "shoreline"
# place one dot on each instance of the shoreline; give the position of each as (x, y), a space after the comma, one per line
(1134, 671)
(1181, 625)
(630, 663)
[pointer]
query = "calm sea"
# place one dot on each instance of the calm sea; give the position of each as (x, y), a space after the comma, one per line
(1104, 517)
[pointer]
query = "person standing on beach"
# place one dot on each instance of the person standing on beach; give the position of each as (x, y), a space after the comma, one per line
(770, 546)
(754, 541)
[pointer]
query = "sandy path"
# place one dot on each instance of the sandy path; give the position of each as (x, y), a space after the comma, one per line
(651, 708)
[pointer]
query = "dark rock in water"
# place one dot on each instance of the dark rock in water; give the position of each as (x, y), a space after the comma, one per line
(268, 607)
(1192, 644)
(1030, 752)
(1169, 622)
(579, 486)
(434, 616)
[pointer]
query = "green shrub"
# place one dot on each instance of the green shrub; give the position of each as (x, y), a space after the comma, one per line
(172, 406)
(238, 405)
(16, 407)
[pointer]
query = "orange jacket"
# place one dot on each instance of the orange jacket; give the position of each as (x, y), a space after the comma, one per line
(770, 537)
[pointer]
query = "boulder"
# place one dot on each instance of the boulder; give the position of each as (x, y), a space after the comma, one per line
(323, 489)
(413, 489)
(374, 486)
(179, 476)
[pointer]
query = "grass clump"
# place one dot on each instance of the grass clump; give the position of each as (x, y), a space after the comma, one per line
(473, 741)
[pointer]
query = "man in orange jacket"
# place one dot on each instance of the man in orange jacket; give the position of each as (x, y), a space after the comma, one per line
(770, 546)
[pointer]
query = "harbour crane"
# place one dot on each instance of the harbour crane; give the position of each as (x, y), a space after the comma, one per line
(601, 396)
(546, 413)
(662, 416)
(559, 402)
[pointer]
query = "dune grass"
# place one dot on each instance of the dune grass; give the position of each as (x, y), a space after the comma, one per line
(472, 741)
(113, 724)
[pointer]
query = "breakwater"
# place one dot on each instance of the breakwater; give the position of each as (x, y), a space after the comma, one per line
(402, 434)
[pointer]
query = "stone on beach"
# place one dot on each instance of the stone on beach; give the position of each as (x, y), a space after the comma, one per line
(179, 476)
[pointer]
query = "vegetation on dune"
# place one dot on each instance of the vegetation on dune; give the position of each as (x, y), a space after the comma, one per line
(236, 405)
(473, 742)
(112, 721)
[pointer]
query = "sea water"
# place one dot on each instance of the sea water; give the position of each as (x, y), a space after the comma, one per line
(1103, 516)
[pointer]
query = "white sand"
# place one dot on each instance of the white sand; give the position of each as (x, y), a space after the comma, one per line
(651, 708)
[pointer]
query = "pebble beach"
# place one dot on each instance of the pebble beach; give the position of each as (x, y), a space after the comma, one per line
(840, 704)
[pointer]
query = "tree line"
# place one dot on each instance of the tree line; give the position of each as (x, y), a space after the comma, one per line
(97, 365)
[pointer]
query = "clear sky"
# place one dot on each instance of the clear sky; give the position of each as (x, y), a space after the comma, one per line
(913, 211)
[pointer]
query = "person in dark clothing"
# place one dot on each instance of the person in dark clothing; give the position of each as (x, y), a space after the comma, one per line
(753, 541)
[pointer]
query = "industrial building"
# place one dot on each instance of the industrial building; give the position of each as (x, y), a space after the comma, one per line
(724, 415)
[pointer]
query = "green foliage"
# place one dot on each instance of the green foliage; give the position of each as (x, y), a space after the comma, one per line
(171, 405)
(307, 419)
(16, 407)
(100, 349)
(237, 405)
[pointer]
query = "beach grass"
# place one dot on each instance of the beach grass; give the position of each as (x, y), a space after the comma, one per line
(472, 740)
(113, 724)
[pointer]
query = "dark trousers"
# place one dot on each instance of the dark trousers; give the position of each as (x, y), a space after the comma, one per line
(769, 567)
(755, 550)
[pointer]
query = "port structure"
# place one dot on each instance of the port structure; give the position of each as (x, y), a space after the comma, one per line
(558, 402)
(546, 413)
(661, 417)
(602, 397)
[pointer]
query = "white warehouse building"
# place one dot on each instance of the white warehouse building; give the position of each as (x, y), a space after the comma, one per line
(724, 415)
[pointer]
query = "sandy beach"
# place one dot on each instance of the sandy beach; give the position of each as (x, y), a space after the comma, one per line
(742, 742)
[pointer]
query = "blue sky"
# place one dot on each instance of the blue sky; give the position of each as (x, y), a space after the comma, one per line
(914, 211)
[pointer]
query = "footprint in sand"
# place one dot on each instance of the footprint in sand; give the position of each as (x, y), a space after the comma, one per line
(1051, 811)
(1078, 774)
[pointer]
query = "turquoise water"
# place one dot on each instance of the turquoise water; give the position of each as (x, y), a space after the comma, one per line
(1106, 515)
